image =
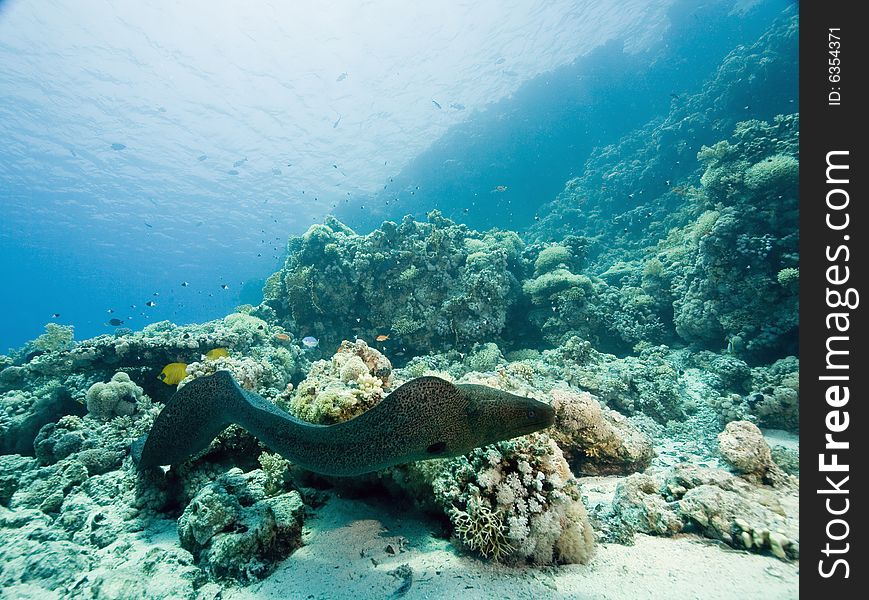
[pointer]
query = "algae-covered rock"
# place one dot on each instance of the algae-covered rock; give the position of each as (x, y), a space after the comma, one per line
(597, 440)
(743, 447)
(640, 507)
(236, 531)
(713, 503)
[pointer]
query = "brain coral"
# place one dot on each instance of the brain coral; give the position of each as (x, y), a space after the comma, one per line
(117, 397)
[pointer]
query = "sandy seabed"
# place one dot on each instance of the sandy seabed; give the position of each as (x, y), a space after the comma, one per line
(351, 546)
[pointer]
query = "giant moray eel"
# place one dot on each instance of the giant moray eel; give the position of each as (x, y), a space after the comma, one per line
(425, 418)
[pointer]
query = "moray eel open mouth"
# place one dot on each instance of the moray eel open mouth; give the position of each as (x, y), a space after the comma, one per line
(425, 418)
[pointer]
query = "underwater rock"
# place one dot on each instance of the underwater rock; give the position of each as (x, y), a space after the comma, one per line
(744, 516)
(775, 395)
(11, 468)
(713, 503)
(236, 531)
(640, 507)
(23, 413)
(744, 448)
(37, 562)
(647, 384)
(597, 440)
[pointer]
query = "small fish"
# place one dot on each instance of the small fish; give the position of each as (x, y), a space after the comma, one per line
(282, 337)
(202, 157)
(150, 303)
(173, 373)
(335, 124)
(156, 293)
(341, 77)
(310, 341)
(110, 311)
(115, 322)
(117, 146)
(148, 225)
(216, 353)
(55, 316)
(438, 106)
(184, 284)
(223, 286)
(382, 338)
(499, 188)
(238, 163)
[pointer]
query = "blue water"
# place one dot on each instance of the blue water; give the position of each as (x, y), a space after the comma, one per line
(150, 144)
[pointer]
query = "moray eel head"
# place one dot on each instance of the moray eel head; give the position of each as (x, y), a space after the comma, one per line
(494, 415)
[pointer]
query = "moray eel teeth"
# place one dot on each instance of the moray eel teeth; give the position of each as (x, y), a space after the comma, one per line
(425, 418)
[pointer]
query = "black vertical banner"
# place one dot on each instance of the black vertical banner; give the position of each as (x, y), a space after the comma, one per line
(834, 231)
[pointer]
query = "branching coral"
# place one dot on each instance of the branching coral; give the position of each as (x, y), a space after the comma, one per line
(56, 337)
(516, 501)
(481, 530)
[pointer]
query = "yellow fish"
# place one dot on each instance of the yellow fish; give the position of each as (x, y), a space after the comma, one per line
(216, 353)
(173, 373)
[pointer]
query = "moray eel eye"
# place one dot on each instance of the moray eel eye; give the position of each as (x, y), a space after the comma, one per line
(532, 414)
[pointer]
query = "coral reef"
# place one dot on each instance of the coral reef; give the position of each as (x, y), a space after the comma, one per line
(429, 285)
(664, 338)
(353, 381)
(516, 501)
(56, 337)
(665, 233)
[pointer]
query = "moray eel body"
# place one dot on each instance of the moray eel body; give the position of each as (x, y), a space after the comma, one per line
(425, 418)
